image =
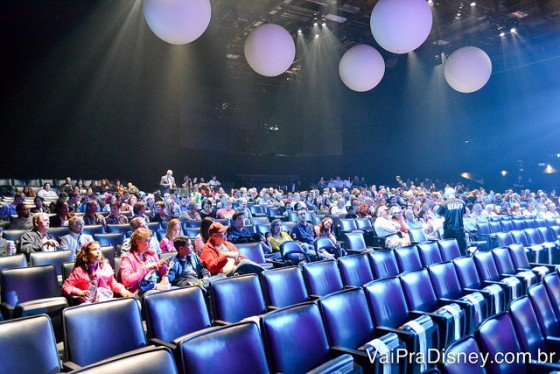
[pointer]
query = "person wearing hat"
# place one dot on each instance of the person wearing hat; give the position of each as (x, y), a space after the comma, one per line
(221, 256)
(388, 229)
(453, 210)
(398, 217)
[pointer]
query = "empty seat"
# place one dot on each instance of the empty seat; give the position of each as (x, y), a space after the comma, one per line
(234, 348)
(357, 335)
(355, 242)
(235, 298)
(56, 258)
(518, 224)
(123, 228)
(346, 225)
(383, 264)
(326, 244)
(464, 347)
(429, 253)
(322, 277)
(503, 239)
(486, 267)
(506, 225)
(355, 270)
(519, 257)
(552, 285)
(505, 266)
(417, 235)
(544, 309)
(309, 351)
(58, 232)
(390, 312)
(449, 249)
(114, 240)
(536, 252)
(471, 280)
(94, 229)
(420, 295)
(11, 262)
(28, 345)
(159, 306)
(86, 343)
(253, 252)
(284, 286)
(408, 258)
(14, 235)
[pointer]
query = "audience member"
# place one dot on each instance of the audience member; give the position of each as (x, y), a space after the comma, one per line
(388, 229)
(62, 215)
(227, 211)
(159, 212)
(92, 217)
(76, 239)
(115, 218)
(191, 213)
(141, 269)
(38, 240)
(135, 224)
(39, 205)
(173, 231)
(303, 234)
(92, 278)
(187, 269)
(202, 236)
(324, 230)
(23, 221)
(207, 209)
(46, 192)
(10, 209)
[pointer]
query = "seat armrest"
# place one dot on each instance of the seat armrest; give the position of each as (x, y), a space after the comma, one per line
(7, 311)
(219, 322)
(70, 366)
(159, 342)
(341, 364)
(360, 357)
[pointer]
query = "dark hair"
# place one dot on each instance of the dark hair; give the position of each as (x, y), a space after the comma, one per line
(204, 226)
(180, 241)
(136, 208)
(236, 214)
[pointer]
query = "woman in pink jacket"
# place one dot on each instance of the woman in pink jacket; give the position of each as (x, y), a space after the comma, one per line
(92, 278)
(141, 263)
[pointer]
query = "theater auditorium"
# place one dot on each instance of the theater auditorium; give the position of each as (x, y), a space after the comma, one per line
(327, 186)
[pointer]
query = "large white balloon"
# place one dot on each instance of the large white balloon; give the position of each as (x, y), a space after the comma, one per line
(178, 21)
(270, 50)
(401, 26)
(361, 68)
(468, 69)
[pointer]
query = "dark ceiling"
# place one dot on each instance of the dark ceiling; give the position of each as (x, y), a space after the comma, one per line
(456, 24)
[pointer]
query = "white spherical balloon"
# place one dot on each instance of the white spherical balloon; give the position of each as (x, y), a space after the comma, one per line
(177, 21)
(361, 68)
(468, 69)
(270, 50)
(401, 26)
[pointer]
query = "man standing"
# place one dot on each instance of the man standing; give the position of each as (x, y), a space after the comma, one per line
(452, 210)
(167, 182)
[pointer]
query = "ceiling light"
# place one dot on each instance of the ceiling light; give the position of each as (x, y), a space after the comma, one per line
(473, 3)
(502, 34)
(316, 36)
(299, 31)
(513, 30)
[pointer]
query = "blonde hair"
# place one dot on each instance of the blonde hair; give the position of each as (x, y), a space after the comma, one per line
(139, 234)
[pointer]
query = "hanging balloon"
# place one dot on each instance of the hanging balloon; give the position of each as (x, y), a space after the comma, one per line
(177, 21)
(270, 50)
(401, 26)
(361, 68)
(468, 69)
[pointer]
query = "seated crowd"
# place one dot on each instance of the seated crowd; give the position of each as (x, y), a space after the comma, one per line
(213, 253)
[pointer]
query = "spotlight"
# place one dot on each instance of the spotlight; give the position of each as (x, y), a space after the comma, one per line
(513, 30)
(473, 3)
(324, 24)
(315, 22)
(300, 31)
(316, 36)
(431, 2)
(504, 173)
(502, 34)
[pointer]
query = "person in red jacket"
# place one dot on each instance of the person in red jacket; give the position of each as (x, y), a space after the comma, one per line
(219, 255)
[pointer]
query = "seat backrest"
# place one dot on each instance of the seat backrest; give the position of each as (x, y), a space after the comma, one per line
(122, 228)
(56, 258)
(364, 224)
(67, 269)
(519, 237)
(533, 236)
(519, 256)
(518, 224)
(445, 281)
(355, 240)
(58, 232)
(530, 223)
(552, 285)
(154, 226)
(288, 249)
(284, 286)
(503, 260)
(82, 340)
(324, 243)
(482, 228)
(429, 253)
(468, 347)
(548, 320)
(252, 251)
(235, 298)
(113, 239)
(347, 318)
(94, 229)
(192, 232)
(495, 336)
(355, 270)
(467, 273)
(495, 227)
(408, 258)
(288, 225)
(159, 306)
(546, 234)
(417, 235)
(14, 261)
(260, 220)
(387, 302)
(263, 228)
(486, 266)
(504, 239)
(507, 225)
(527, 326)
(28, 345)
(540, 222)
(149, 359)
(347, 224)
(420, 294)
(26, 284)
(322, 277)
(449, 249)
(383, 264)
(279, 328)
(14, 235)
(234, 348)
